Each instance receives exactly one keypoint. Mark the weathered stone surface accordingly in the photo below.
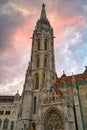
(47, 102)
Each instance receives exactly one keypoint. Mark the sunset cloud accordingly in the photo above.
(18, 20)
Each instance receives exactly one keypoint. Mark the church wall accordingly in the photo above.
(10, 112)
(39, 103)
(83, 98)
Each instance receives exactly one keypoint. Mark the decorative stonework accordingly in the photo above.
(45, 101)
(53, 119)
(50, 96)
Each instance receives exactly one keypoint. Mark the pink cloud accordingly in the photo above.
(18, 28)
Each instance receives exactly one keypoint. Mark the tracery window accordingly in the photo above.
(53, 120)
(12, 125)
(5, 124)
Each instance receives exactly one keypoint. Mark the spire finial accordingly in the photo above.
(43, 12)
(43, 5)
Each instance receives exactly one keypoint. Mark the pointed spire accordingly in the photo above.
(43, 12)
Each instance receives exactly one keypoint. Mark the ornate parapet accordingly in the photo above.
(51, 97)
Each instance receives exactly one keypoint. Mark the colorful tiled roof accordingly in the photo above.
(79, 78)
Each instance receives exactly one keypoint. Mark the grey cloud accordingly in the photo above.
(27, 3)
(3, 2)
(8, 23)
(12, 67)
(83, 2)
(11, 87)
(66, 8)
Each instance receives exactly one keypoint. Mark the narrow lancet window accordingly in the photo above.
(38, 44)
(45, 44)
(35, 99)
(12, 125)
(45, 60)
(5, 124)
(37, 61)
(37, 81)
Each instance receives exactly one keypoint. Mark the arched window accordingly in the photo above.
(38, 44)
(36, 82)
(45, 60)
(0, 123)
(1, 112)
(7, 113)
(12, 125)
(5, 124)
(37, 61)
(35, 100)
(45, 44)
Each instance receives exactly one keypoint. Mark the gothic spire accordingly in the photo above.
(43, 12)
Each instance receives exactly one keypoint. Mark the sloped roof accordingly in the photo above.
(68, 79)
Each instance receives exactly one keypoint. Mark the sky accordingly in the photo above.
(17, 23)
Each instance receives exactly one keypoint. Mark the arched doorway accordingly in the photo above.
(53, 120)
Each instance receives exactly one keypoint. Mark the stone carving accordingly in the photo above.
(53, 120)
(50, 96)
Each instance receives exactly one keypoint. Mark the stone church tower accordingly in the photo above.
(43, 107)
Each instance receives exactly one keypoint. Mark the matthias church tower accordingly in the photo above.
(43, 107)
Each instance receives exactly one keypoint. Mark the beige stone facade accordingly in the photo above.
(47, 102)
(83, 98)
(9, 109)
